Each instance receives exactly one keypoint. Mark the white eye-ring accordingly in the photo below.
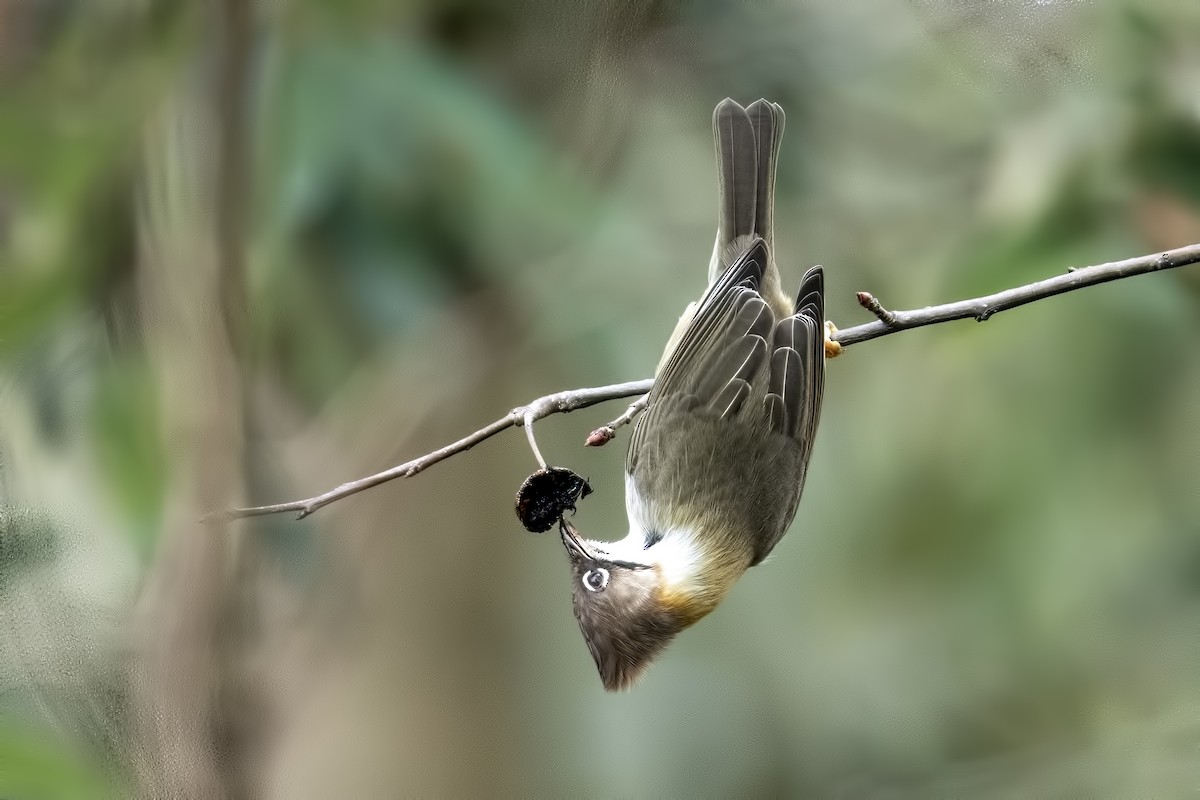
(594, 580)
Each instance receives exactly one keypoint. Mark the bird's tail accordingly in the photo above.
(747, 145)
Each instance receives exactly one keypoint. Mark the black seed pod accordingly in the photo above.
(548, 494)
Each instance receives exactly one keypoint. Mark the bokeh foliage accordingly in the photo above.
(992, 588)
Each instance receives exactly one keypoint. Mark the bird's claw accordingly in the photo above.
(832, 348)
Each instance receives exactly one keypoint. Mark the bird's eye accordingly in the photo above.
(594, 580)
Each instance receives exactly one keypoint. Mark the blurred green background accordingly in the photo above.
(250, 251)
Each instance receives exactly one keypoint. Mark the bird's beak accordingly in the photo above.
(571, 540)
(579, 550)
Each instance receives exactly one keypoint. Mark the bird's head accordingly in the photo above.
(631, 599)
(620, 608)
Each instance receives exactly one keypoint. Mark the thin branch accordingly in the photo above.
(526, 415)
(605, 433)
(982, 308)
(868, 301)
(527, 422)
(889, 322)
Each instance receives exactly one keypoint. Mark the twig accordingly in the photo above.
(982, 308)
(526, 415)
(605, 433)
(527, 422)
(868, 301)
(889, 322)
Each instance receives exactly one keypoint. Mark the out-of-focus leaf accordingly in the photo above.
(403, 185)
(27, 539)
(28, 305)
(35, 767)
(128, 449)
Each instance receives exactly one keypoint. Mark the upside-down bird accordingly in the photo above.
(717, 461)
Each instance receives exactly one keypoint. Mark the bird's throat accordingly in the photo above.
(695, 571)
(693, 577)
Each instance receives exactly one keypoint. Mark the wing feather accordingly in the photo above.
(785, 382)
(729, 402)
(724, 342)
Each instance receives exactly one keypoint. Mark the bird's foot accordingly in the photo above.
(832, 348)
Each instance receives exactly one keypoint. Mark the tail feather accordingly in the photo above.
(768, 120)
(747, 145)
(737, 176)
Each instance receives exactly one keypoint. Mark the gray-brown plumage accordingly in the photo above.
(718, 460)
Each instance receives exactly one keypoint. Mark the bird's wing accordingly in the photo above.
(741, 391)
(722, 353)
(798, 364)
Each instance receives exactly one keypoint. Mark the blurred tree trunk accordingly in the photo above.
(191, 697)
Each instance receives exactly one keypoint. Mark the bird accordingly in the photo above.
(717, 460)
